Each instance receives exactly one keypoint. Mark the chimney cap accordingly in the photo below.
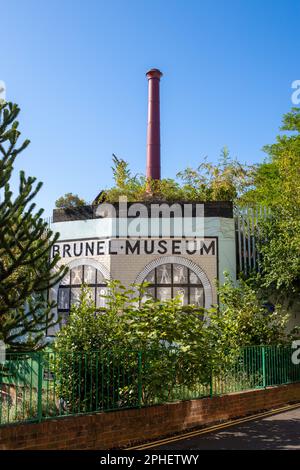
(154, 73)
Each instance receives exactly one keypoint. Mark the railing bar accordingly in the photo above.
(97, 380)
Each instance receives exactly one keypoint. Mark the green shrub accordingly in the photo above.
(135, 351)
(242, 320)
(171, 337)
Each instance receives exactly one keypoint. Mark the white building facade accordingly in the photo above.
(187, 264)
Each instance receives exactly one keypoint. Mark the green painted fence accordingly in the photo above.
(44, 385)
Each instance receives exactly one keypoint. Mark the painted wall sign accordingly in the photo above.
(100, 247)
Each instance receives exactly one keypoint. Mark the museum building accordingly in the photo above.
(179, 249)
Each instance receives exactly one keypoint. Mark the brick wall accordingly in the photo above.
(120, 428)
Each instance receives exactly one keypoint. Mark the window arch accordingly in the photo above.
(172, 275)
(81, 272)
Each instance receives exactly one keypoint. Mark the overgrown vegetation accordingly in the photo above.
(128, 324)
(242, 319)
(134, 321)
(277, 185)
(69, 201)
(224, 181)
(181, 345)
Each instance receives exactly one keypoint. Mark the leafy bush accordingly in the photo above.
(242, 320)
(279, 248)
(276, 186)
(178, 348)
(172, 338)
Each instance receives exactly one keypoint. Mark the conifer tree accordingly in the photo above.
(26, 269)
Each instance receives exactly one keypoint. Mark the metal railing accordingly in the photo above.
(43, 385)
(248, 222)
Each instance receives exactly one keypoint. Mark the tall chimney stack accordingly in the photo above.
(153, 129)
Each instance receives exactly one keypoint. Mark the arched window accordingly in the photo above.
(171, 279)
(70, 286)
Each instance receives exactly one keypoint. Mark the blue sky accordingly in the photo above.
(77, 69)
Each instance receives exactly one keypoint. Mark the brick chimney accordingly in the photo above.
(153, 128)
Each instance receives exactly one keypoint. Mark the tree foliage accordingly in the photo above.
(242, 320)
(223, 181)
(69, 201)
(26, 271)
(277, 186)
(276, 182)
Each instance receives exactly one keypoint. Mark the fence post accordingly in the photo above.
(263, 358)
(40, 388)
(140, 379)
